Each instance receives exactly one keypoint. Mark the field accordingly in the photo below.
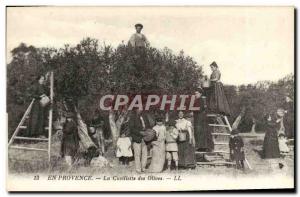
(22, 162)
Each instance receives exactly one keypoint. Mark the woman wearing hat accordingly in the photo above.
(70, 141)
(217, 100)
(270, 145)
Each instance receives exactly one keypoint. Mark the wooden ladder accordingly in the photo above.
(221, 148)
(22, 126)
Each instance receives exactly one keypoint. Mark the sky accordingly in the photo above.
(249, 44)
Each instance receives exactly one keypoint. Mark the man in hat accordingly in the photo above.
(138, 124)
(138, 39)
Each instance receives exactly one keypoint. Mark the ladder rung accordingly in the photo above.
(212, 115)
(215, 115)
(218, 125)
(25, 127)
(226, 134)
(225, 152)
(27, 148)
(31, 138)
(221, 143)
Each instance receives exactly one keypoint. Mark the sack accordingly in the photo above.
(182, 136)
(149, 135)
(84, 137)
(44, 101)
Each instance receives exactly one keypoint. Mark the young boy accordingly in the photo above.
(171, 144)
(236, 146)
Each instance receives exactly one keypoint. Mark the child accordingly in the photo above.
(124, 151)
(282, 140)
(279, 122)
(236, 146)
(171, 144)
(70, 140)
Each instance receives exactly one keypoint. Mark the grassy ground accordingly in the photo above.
(20, 161)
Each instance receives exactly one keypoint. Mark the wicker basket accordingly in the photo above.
(182, 136)
(149, 135)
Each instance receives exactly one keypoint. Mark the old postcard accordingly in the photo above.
(150, 98)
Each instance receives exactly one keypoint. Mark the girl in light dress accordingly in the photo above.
(124, 151)
(283, 147)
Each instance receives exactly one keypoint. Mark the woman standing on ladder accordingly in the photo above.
(217, 100)
(38, 113)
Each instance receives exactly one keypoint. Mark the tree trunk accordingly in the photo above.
(237, 121)
(115, 124)
(253, 128)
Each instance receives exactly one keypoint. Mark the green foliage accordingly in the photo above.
(259, 99)
(88, 70)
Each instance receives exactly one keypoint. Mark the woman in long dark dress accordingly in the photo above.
(203, 136)
(271, 145)
(289, 117)
(217, 100)
(38, 112)
(70, 139)
(186, 148)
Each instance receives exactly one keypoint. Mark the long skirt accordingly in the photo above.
(271, 145)
(217, 100)
(203, 136)
(36, 120)
(186, 153)
(70, 145)
(158, 156)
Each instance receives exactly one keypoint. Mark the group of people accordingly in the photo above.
(166, 141)
(170, 140)
(275, 140)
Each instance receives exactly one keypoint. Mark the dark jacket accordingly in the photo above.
(270, 145)
(136, 126)
(70, 141)
(236, 144)
(37, 118)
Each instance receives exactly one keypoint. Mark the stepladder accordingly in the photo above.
(220, 131)
(26, 143)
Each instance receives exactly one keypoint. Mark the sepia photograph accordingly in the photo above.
(150, 98)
